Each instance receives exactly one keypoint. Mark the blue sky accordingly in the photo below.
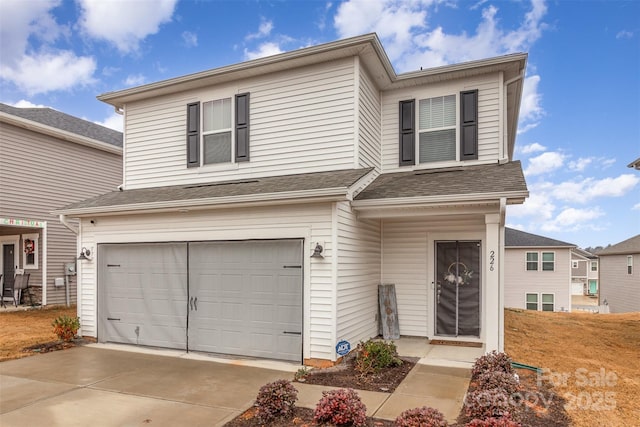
(580, 116)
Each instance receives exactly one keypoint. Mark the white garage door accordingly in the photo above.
(241, 298)
(143, 294)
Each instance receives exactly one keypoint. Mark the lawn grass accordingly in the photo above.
(20, 329)
(592, 359)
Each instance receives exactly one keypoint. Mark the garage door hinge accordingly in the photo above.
(291, 266)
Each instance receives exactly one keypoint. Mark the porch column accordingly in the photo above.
(493, 303)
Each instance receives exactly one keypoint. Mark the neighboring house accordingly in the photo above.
(264, 202)
(49, 159)
(620, 276)
(584, 273)
(537, 272)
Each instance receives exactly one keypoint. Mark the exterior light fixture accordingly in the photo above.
(85, 254)
(317, 251)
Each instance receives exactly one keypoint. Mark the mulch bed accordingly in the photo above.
(302, 417)
(55, 345)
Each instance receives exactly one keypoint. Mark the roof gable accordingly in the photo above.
(517, 238)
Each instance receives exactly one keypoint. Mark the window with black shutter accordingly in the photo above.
(469, 125)
(407, 133)
(242, 127)
(193, 134)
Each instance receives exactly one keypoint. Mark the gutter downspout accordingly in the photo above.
(63, 221)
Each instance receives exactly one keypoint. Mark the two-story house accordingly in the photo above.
(620, 276)
(538, 272)
(48, 159)
(584, 273)
(264, 202)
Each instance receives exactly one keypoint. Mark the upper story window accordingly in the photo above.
(574, 264)
(437, 129)
(441, 134)
(532, 261)
(629, 264)
(548, 261)
(594, 265)
(221, 134)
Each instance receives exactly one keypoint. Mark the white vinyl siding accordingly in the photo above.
(301, 120)
(369, 123)
(518, 281)
(59, 173)
(358, 275)
(311, 222)
(620, 289)
(488, 117)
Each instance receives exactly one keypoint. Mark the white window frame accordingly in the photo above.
(629, 264)
(592, 265)
(526, 301)
(542, 261)
(229, 130)
(35, 237)
(553, 303)
(453, 127)
(527, 262)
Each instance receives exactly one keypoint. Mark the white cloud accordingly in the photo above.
(545, 163)
(23, 103)
(589, 189)
(636, 207)
(27, 31)
(580, 164)
(135, 80)
(532, 148)
(124, 26)
(265, 49)
(538, 205)
(114, 121)
(572, 219)
(46, 72)
(190, 39)
(263, 30)
(531, 110)
(624, 34)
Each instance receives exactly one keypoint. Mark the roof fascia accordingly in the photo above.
(59, 133)
(513, 197)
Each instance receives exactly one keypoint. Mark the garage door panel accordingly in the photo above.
(249, 281)
(143, 294)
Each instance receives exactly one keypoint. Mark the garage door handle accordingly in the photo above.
(195, 303)
(112, 318)
(291, 266)
(292, 333)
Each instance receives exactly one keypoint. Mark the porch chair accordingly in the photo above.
(7, 291)
(22, 285)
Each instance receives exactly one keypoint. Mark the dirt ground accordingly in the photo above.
(592, 360)
(21, 329)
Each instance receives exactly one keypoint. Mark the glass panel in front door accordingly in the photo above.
(457, 290)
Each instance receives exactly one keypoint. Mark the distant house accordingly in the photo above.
(635, 164)
(537, 272)
(620, 276)
(584, 272)
(49, 159)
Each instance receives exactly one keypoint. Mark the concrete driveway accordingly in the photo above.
(87, 386)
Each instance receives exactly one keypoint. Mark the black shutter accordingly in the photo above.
(193, 135)
(407, 132)
(469, 125)
(242, 127)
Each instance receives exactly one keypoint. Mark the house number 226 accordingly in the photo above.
(492, 260)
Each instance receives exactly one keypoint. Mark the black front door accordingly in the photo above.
(8, 269)
(457, 291)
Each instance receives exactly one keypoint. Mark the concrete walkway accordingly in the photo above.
(98, 386)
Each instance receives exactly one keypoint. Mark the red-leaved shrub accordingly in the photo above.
(421, 417)
(492, 362)
(276, 399)
(341, 407)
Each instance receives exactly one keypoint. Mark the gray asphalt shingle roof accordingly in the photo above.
(492, 178)
(62, 121)
(629, 246)
(253, 186)
(519, 238)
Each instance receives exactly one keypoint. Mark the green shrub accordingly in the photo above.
(341, 407)
(66, 327)
(421, 417)
(373, 356)
(492, 362)
(276, 399)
